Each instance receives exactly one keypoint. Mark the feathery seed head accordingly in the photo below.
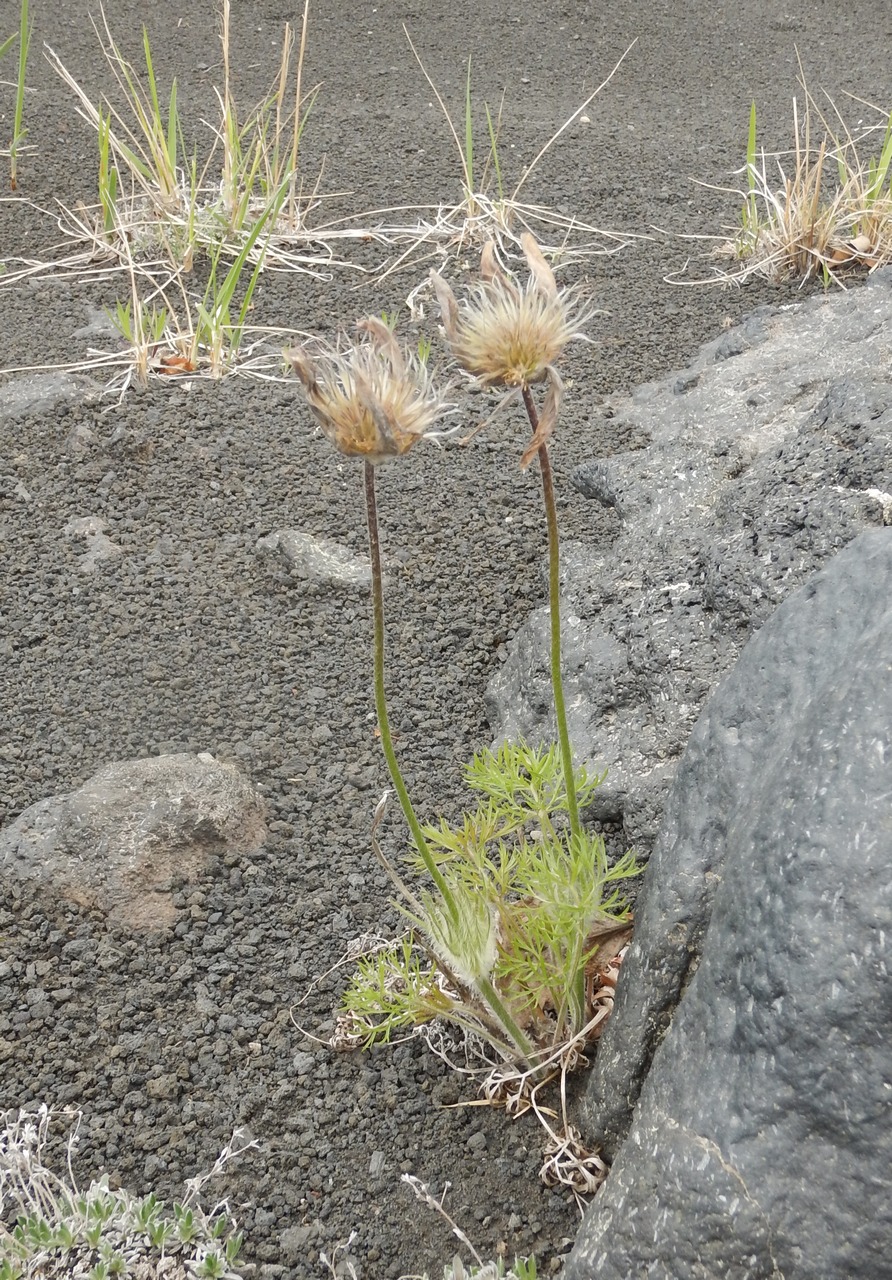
(372, 399)
(505, 333)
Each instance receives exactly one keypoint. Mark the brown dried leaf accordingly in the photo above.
(490, 271)
(302, 366)
(539, 268)
(382, 337)
(448, 306)
(175, 364)
(548, 417)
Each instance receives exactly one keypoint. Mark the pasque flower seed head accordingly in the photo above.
(371, 399)
(504, 333)
(510, 334)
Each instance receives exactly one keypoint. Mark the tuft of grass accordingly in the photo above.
(170, 331)
(262, 155)
(823, 210)
(200, 336)
(489, 209)
(157, 197)
(145, 140)
(160, 212)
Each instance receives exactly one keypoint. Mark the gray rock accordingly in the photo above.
(99, 545)
(769, 454)
(40, 392)
(762, 1140)
(13, 487)
(164, 1086)
(79, 440)
(317, 559)
(130, 831)
(295, 1239)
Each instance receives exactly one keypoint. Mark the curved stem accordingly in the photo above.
(495, 1002)
(381, 697)
(493, 1023)
(554, 608)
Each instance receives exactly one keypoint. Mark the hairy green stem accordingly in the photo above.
(554, 603)
(494, 1023)
(381, 697)
(576, 991)
(495, 1002)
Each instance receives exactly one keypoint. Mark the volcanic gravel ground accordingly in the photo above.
(192, 641)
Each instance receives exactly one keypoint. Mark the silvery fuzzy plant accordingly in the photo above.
(518, 910)
(55, 1228)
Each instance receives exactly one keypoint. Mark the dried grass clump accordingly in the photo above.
(825, 209)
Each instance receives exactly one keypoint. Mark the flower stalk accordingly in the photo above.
(396, 776)
(554, 602)
(511, 335)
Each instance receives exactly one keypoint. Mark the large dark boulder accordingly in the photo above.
(755, 1003)
(761, 461)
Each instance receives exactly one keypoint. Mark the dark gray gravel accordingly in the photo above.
(191, 640)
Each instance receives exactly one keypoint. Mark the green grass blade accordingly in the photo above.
(880, 170)
(245, 182)
(135, 162)
(842, 171)
(172, 129)
(306, 108)
(153, 86)
(7, 44)
(108, 174)
(190, 221)
(215, 311)
(18, 132)
(122, 320)
(752, 213)
(162, 142)
(469, 134)
(208, 308)
(270, 215)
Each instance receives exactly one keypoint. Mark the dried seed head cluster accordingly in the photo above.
(508, 334)
(512, 335)
(372, 400)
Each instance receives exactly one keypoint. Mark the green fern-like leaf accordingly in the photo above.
(391, 990)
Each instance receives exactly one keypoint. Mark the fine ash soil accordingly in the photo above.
(191, 641)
